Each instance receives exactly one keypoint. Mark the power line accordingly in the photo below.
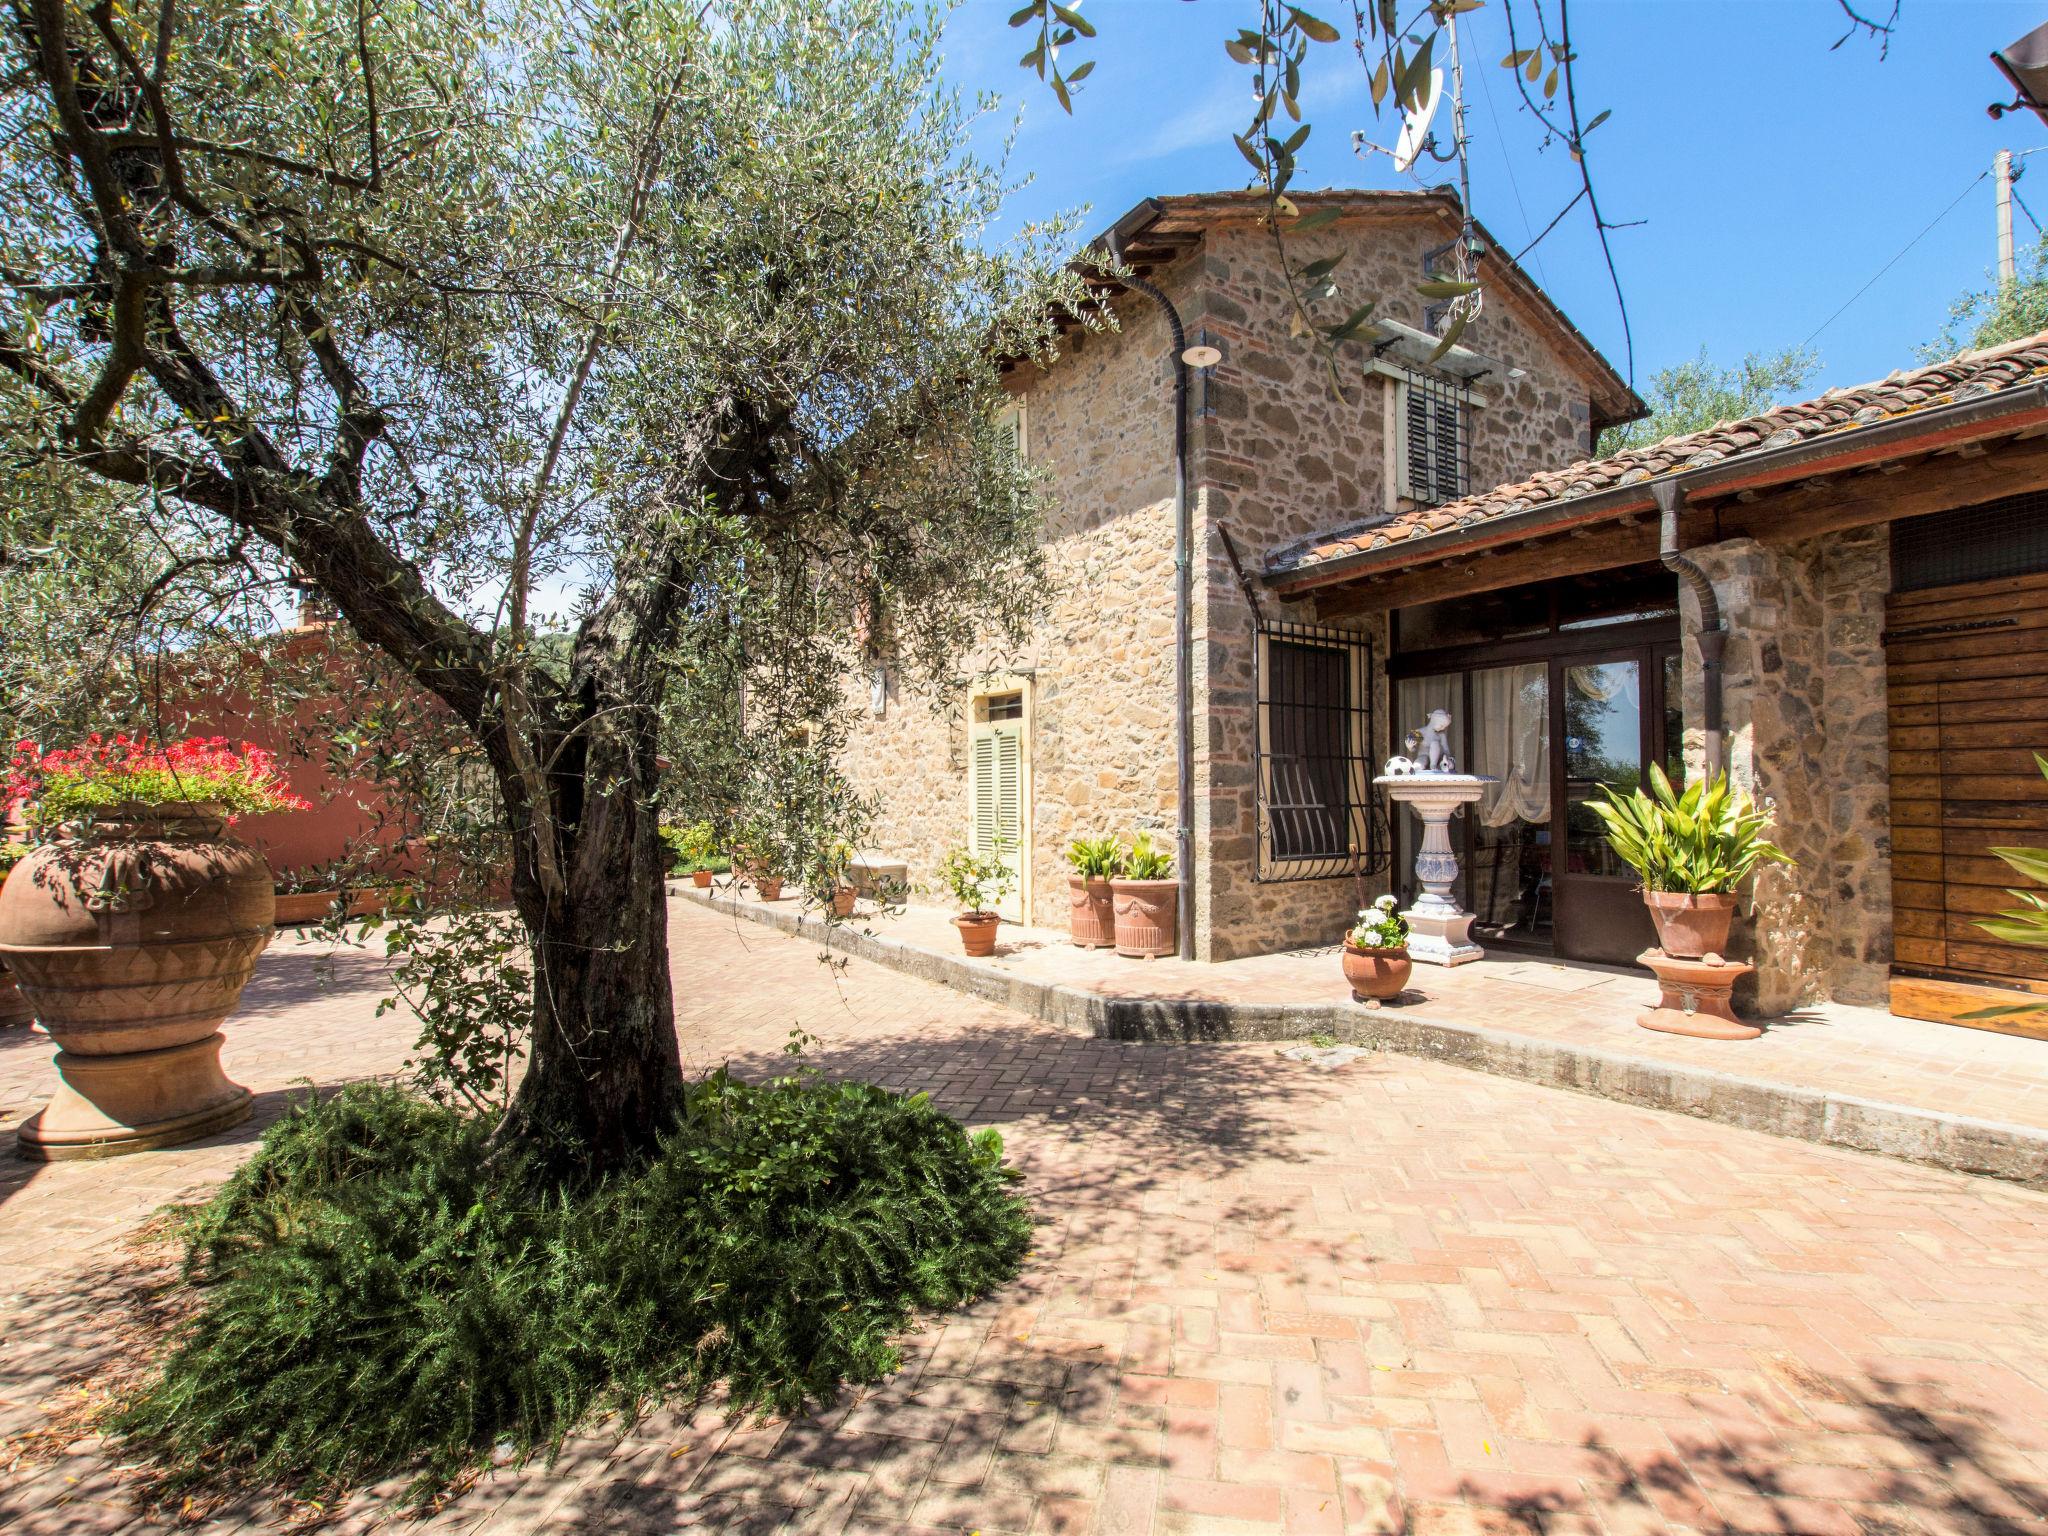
(1508, 160)
(1951, 208)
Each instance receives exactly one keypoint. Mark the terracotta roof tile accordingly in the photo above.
(1963, 377)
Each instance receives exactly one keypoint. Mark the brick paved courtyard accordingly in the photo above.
(1266, 1296)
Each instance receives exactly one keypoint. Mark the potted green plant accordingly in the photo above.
(132, 928)
(1692, 850)
(1376, 959)
(1091, 909)
(691, 850)
(754, 858)
(832, 877)
(1146, 899)
(977, 883)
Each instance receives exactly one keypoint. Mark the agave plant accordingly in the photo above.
(1705, 840)
(2026, 923)
(1096, 858)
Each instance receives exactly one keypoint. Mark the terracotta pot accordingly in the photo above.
(13, 1008)
(701, 878)
(842, 901)
(978, 931)
(1091, 912)
(295, 907)
(1376, 973)
(132, 939)
(1695, 999)
(768, 887)
(1146, 913)
(1689, 925)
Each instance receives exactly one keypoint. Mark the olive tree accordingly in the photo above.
(490, 319)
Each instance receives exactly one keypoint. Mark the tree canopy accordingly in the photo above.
(1698, 394)
(1998, 313)
(644, 322)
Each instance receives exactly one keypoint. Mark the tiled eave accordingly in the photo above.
(1999, 392)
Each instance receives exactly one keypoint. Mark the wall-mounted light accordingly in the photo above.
(1202, 355)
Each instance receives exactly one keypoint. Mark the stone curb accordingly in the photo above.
(1960, 1143)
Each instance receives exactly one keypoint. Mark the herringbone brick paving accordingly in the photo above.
(1265, 1297)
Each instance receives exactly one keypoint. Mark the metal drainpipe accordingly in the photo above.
(1713, 636)
(1183, 743)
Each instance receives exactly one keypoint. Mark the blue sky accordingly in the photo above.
(1775, 176)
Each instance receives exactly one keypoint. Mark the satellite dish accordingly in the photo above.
(1415, 123)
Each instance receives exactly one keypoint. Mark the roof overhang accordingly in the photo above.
(2002, 413)
(1161, 230)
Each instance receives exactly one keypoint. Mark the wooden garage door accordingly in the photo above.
(1968, 674)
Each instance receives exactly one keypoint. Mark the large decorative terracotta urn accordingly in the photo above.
(132, 937)
(1091, 911)
(1146, 920)
(13, 1007)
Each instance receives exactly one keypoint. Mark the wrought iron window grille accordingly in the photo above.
(1319, 814)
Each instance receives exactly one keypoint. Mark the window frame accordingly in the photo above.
(1402, 384)
(1363, 815)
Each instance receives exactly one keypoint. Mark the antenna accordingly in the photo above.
(1415, 123)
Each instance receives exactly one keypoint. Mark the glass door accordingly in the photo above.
(1604, 720)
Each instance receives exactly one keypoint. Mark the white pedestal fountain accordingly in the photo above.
(1439, 931)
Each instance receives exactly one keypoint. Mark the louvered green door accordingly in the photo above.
(997, 800)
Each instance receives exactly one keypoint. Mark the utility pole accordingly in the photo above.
(2001, 170)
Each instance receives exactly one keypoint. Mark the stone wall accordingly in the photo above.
(1285, 455)
(1099, 665)
(1807, 732)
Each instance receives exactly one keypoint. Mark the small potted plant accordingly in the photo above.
(1091, 911)
(132, 927)
(977, 884)
(1692, 850)
(833, 879)
(1147, 901)
(1376, 959)
(753, 857)
(693, 848)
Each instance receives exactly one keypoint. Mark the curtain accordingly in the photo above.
(1511, 743)
(1607, 681)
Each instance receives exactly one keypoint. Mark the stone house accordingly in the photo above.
(1866, 572)
(1076, 733)
(1844, 600)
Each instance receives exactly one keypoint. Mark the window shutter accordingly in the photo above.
(1432, 442)
(1415, 424)
(982, 790)
(996, 790)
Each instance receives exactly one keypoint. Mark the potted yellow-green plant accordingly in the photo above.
(1693, 850)
(1091, 910)
(977, 883)
(1147, 901)
(832, 877)
(693, 848)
